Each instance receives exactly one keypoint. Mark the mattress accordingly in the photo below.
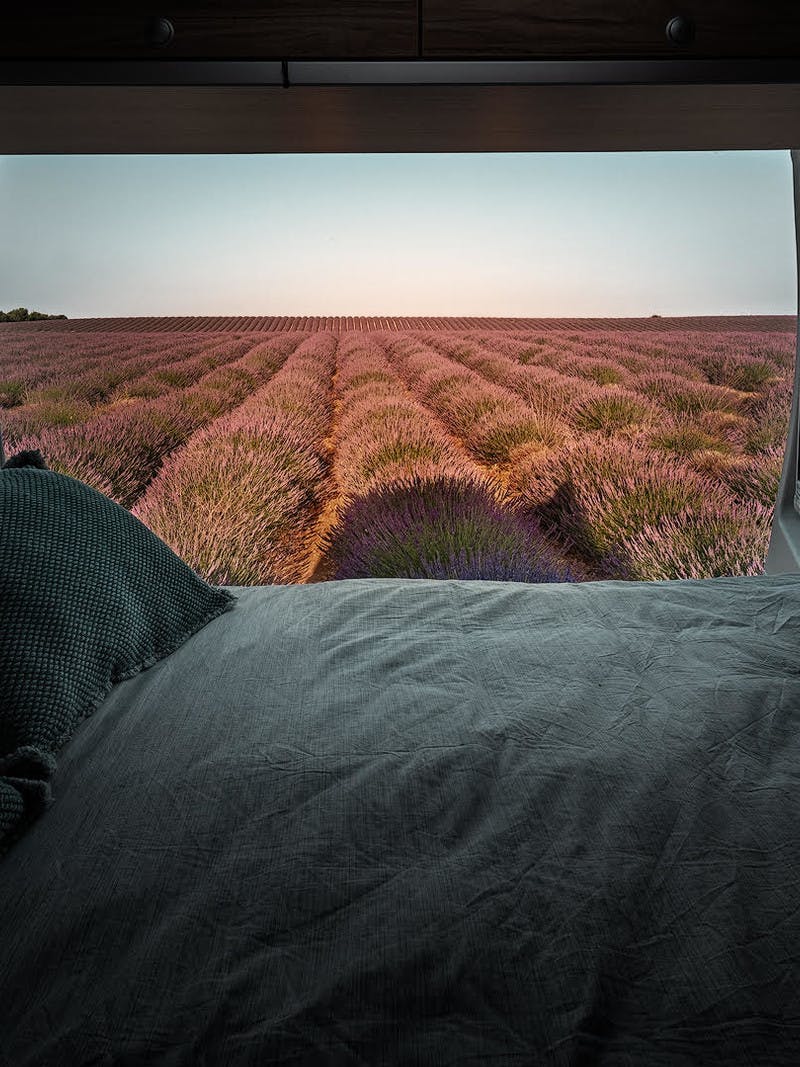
(415, 822)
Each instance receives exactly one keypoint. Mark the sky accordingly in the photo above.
(488, 234)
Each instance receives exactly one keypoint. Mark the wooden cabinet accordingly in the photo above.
(246, 29)
(404, 29)
(596, 29)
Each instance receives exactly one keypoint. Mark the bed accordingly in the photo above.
(427, 822)
(379, 822)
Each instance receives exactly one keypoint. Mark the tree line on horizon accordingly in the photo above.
(23, 315)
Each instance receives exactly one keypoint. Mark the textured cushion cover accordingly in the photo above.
(88, 596)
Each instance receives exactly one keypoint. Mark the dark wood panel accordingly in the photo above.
(260, 29)
(506, 118)
(607, 28)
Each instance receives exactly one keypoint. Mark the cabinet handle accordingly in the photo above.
(161, 32)
(680, 30)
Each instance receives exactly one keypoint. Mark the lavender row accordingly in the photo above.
(120, 451)
(597, 392)
(739, 453)
(737, 360)
(83, 390)
(640, 515)
(240, 501)
(85, 371)
(697, 415)
(491, 421)
(384, 435)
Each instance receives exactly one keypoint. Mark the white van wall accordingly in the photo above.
(783, 556)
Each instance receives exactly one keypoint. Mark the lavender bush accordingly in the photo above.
(595, 497)
(441, 528)
(710, 543)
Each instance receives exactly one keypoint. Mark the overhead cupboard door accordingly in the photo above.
(610, 28)
(246, 29)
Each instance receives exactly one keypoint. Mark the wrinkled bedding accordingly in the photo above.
(413, 822)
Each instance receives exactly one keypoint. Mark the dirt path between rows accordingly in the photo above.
(321, 567)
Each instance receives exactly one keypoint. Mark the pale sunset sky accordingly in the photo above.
(505, 234)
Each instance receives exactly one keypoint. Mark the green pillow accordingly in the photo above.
(88, 596)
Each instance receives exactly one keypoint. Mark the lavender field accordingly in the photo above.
(542, 454)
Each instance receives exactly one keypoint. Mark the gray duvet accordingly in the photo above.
(413, 822)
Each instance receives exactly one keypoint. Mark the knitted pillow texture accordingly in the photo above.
(88, 596)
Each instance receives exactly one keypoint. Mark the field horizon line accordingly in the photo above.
(746, 323)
